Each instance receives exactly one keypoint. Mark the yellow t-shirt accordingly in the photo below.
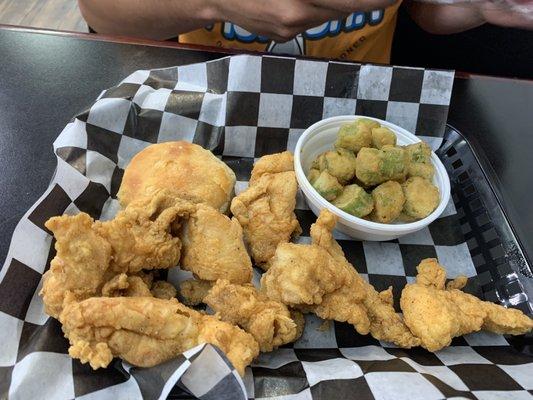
(362, 36)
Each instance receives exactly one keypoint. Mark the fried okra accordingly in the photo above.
(375, 166)
(356, 135)
(419, 152)
(313, 175)
(421, 197)
(383, 136)
(339, 162)
(354, 200)
(419, 158)
(327, 186)
(365, 174)
(404, 218)
(388, 202)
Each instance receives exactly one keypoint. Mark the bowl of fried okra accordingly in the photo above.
(382, 181)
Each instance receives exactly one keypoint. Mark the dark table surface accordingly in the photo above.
(46, 78)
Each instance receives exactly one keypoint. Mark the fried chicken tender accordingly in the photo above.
(80, 263)
(269, 322)
(266, 209)
(385, 324)
(436, 315)
(193, 291)
(317, 278)
(138, 286)
(213, 247)
(141, 235)
(186, 169)
(90, 253)
(124, 285)
(146, 331)
(311, 279)
(457, 283)
(163, 290)
(386, 296)
(272, 164)
(301, 275)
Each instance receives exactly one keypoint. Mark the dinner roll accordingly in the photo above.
(187, 170)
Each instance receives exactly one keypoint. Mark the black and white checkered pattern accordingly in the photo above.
(241, 108)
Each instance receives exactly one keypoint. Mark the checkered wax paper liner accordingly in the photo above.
(241, 108)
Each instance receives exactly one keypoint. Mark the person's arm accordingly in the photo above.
(162, 19)
(446, 19)
(154, 19)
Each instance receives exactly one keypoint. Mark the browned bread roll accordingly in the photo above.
(187, 170)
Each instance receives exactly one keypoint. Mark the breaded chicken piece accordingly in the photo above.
(185, 169)
(317, 278)
(146, 331)
(268, 321)
(193, 291)
(163, 290)
(343, 305)
(138, 286)
(385, 324)
(213, 247)
(128, 286)
(90, 253)
(436, 315)
(142, 235)
(309, 278)
(272, 164)
(457, 283)
(266, 209)
(299, 320)
(300, 275)
(386, 296)
(81, 261)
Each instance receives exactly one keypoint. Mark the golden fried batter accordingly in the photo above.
(309, 278)
(385, 324)
(330, 287)
(146, 331)
(90, 253)
(270, 322)
(80, 263)
(386, 296)
(185, 169)
(193, 291)
(213, 247)
(436, 315)
(141, 235)
(272, 164)
(337, 293)
(266, 209)
(457, 283)
(301, 275)
(163, 290)
(124, 285)
(138, 286)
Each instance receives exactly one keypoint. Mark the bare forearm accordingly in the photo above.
(446, 19)
(154, 19)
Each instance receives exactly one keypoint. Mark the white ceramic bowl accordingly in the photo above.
(320, 137)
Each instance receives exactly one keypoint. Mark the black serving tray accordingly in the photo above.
(504, 274)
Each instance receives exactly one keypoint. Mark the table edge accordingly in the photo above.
(193, 47)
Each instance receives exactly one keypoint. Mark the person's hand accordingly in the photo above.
(281, 20)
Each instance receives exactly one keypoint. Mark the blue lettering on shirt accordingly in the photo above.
(354, 21)
(231, 31)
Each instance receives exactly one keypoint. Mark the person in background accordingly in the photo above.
(359, 30)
